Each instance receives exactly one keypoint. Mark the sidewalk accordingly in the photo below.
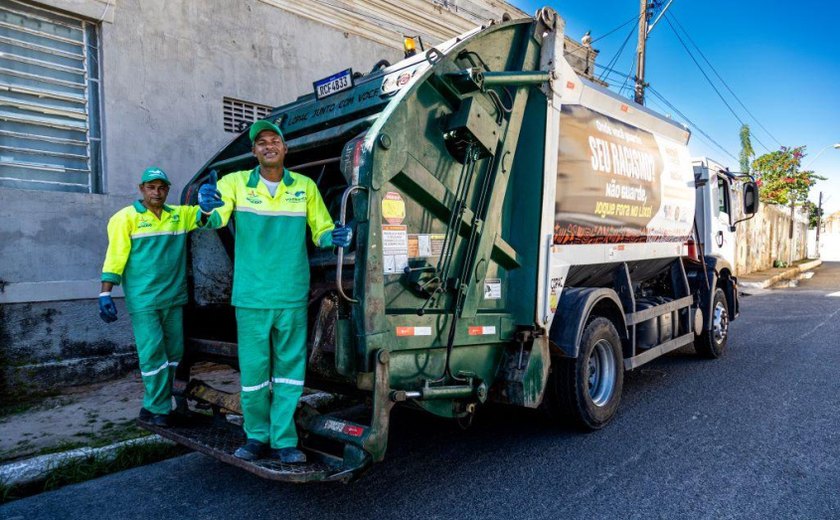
(92, 416)
(770, 277)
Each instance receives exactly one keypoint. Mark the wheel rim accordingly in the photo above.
(601, 373)
(720, 324)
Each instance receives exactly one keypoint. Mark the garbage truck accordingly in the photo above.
(523, 236)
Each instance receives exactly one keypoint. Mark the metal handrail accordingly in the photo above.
(342, 222)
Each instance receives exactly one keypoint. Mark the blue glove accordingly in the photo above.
(342, 235)
(107, 309)
(209, 197)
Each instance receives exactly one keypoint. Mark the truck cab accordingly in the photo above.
(717, 209)
(723, 199)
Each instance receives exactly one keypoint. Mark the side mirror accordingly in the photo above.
(750, 198)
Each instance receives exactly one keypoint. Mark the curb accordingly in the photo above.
(36, 469)
(786, 275)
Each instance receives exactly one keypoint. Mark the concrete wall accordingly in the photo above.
(829, 244)
(763, 240)
(166, 65)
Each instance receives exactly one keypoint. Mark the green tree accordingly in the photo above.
(747, 151)
(780, 180)
(815, 213)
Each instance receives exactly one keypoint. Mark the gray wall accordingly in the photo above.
(166, 65)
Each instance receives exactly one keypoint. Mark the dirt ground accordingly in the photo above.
(92, 415)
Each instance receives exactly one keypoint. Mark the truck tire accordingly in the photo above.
(586, 390)
(711, 344)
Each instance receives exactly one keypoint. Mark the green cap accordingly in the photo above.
(261, 125)
(154, 174)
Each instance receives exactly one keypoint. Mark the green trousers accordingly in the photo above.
(159, 335)
(272, 365)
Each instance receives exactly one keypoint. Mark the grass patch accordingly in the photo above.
(17, 403)
(114, 432)
(15, 408)
(84, 469)
(126, 458)
(7, 493)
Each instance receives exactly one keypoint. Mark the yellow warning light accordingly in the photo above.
(409, 46)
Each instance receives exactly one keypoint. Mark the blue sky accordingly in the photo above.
(781, 59)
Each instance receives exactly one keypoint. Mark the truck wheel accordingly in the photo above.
(712, 343)
(586, 390)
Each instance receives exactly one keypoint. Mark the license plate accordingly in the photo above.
(334, 84)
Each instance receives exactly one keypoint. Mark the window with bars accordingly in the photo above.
(50, 136)
(239, 114)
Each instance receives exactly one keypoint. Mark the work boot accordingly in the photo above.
(160, 420)
(251, 450)
(289, 455)
(145, 416)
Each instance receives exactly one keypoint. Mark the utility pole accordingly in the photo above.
(819, 224)
(792, 223)
(644, 16)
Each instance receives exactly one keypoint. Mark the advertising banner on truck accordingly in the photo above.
(619, 183)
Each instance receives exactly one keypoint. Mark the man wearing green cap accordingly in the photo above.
(272, 207)
(147, 255)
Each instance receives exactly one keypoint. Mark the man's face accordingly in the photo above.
(270, 149)
(154, 193)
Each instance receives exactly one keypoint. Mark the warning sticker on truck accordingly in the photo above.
(393, 208)
(424, 246)
(482, 331)
(394, 249)
(413, 331)
(493, 289)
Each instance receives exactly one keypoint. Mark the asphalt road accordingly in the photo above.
(752, 435)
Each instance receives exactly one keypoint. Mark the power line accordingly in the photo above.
(677, 111)
(711, 83)
(688, 35)
(635, 18)
(617, 56)
(691, 123)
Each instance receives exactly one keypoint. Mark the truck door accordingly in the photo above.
(722, 243)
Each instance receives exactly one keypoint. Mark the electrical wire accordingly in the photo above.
(688, 36)
(708, 79)
(617, 56)
(633, 19)
(691, 123)
(678, 112)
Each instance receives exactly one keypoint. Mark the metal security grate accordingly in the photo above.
(239, 114)
(49, 100)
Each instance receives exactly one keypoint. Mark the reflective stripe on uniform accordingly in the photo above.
(255, 387)
(158, 233)
(155, 371)
(267, 213)
(287, 381)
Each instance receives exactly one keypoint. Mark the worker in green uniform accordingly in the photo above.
(272, 207)
(147, 255)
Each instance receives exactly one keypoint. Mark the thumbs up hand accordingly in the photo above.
(209, 197)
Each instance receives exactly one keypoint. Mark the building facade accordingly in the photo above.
(94, 91)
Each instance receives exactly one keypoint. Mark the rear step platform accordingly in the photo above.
(219, 439)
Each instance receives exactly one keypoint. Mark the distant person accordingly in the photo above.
(147, 255)
(273, 207)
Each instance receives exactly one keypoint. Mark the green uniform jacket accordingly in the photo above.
(149, 256)
(271, 270)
